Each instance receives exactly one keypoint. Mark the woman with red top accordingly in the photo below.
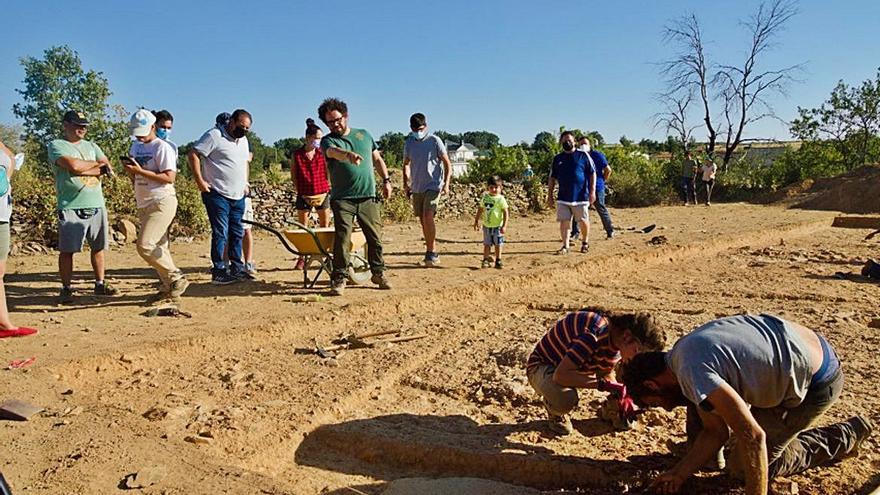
(308, 170)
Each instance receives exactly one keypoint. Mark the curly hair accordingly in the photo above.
(642, 325)
(331, 104)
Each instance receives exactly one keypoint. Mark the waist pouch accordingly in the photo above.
(315, 200)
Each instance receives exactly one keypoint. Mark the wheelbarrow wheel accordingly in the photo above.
(358, 268)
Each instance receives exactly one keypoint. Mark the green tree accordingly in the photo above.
(509, 162)
(391, 146)
(448, 136)
(287, 146)
(57, 83)
(849, 121)
(544, 141)
(483, 140)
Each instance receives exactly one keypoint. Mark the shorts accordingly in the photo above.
(248, 213)
(303, 204)
(425, 201)
(4, 240)
(78, 225)
(578, 213)
(492, 236)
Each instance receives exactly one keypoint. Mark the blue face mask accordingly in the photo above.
(420, 134)
(316, 144)
(163, 133)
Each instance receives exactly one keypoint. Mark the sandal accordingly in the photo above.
(585, 246)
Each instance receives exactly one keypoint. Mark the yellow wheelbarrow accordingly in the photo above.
(316, 248)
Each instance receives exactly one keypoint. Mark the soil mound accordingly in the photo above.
(461, 486)
(853, 192)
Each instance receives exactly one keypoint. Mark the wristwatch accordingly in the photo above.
(386, 180)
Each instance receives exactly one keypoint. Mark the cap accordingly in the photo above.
(75, 117)
(141, 122)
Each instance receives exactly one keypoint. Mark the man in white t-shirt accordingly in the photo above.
(709, 168)
(152, 163)
(223, 184)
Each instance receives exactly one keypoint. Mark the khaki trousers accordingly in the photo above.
(152, 242)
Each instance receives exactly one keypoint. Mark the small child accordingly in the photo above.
(493, 210)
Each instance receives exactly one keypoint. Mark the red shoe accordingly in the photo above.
(16, 332)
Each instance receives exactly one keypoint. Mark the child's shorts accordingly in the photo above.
(492, 236)
(248, 213)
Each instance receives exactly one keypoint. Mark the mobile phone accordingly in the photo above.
(126, 159)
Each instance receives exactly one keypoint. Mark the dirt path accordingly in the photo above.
(123, 392)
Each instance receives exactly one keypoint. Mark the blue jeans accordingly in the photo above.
(602, 210)
(688, 191)
(226, 231)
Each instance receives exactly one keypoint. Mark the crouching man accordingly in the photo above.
(580, 351)
(765, 379)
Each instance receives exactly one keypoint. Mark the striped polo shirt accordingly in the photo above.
(583, 336)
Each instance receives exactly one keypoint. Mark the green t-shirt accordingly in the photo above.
(73, 191)
(347, 180)
(493, 210)
(687, 168)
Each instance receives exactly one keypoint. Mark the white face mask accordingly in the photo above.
(420, 134)
(585, 148)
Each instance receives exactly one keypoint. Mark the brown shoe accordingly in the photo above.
(106, 289)
(380, 280)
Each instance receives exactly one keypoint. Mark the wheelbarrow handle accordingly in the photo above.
(278, 234)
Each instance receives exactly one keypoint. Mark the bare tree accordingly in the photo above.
(688, 72)
(674, 119)
(741, 89)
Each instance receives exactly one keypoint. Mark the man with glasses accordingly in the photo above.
(352, 155)
(424, 178)
(224, 183)
(82, 214)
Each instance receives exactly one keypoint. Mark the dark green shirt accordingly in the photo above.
(347, 180)
(688, 168)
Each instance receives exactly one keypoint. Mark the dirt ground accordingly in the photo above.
(223, 403)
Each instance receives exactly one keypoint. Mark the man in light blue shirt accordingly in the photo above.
(426, 171)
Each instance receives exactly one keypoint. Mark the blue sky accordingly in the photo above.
(511, 67)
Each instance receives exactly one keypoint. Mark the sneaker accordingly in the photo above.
(498, 264)
(66, 295)
(244, 276)
(250, 267)
(380, 280)
(585, 246)
(224, 278)
(431, 259)
(106, 289)
(337, 287)
(562, 251)
(178, 287)
(610, 235)
(575, 233)
(559, 424)
(487, 263)
(863, 428)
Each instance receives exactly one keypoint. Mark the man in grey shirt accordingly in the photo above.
(226, 153)
(765, 379)
(424, 178)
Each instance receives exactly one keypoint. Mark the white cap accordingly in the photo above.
(141, 122)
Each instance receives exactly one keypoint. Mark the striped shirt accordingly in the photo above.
(583, 336)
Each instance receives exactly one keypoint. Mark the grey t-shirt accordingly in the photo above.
(6, 199)
(759, 356)
(425, 165)
(226, 162)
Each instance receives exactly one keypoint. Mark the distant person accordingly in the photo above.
(764, 380)
(308, 171)
(708, 169)
(426, 172)
(352, 155)
(528, 173)
(493, 213)
(164, 124)
(247, 239)
(225, 152)
(153, 166)
(78, 165)
(7, 164)
(603, 172)
(581, 351)
(573, 171)
(688, 175)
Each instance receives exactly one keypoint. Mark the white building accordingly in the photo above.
(460, 155)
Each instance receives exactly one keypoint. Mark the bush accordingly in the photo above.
(191, 219)
(507, 162)
(636, 179)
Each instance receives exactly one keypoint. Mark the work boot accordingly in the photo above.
(66, 295)
(178, 287)
(337, 287)
(105, 289)
(380, 280)
(559, 424)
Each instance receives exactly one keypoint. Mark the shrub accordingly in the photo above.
(637, 180)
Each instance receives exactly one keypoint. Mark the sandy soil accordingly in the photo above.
(124, 392)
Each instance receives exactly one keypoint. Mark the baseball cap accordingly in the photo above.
(75, 117)
(141, 122)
